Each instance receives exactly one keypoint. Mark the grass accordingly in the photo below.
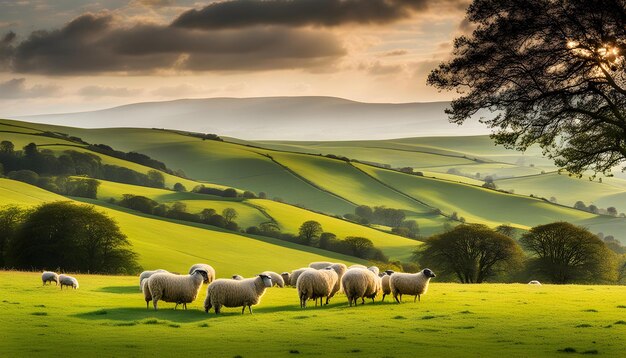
(518, 319)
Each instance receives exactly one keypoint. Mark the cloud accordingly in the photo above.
(182, 90)
(154, 3)
(395, 53)
(97, 43)
(16, 88)
(378, 68)
(242, 13)
(100, 91)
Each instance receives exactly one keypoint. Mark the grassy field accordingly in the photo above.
(107, 316)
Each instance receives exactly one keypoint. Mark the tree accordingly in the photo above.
(26, 176)
(365, 212)
(309, 231)
(229, 215)
(567, 253)
(326, 239)
(83, 187)
(473, 253)
(611, 210)
(248, 195)
(206, 214)
(553, 70)
(506, 230)
(11, 217)
(358, 246)
(156, 179)
(230, 193)
(593, 209)
(7, 147)
(73, 238)
(179, 187)
(580, 205)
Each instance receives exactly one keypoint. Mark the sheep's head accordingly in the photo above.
(267, 280)
(205, 275)
(389, 272)
(428, 273)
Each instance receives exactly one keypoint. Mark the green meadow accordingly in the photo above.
(107, 316)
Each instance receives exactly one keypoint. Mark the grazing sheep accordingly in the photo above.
(320, 265)
(65, 280)
(314, 284)
(233, 293)
(360, 283)
(414, 284)
(210, 271)
(534, 282)
(237, 277)
(144, 275)
(48, 276)
(180, 289)
(374, 269)
(277, 280)
(295, 274)
(286, 278)
(340, 269)
(384, 282)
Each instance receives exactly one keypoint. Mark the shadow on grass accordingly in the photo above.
(120, 289)
(135, 314)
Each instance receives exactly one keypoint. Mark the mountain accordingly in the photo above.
(299, 118)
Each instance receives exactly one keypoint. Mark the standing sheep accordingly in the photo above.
(356, 266)
(374, 269)
(209, 270)
(286, 278)
(295, 274)
(48, 276)
(144, 275)
(360, 283)
(320, 265)
(65, 280)
(314, 284)
(277, 279)
(414, 284)
(534, 282)
(384, 282)
(180, 289)
(237, 277)
(340, 269)
(233, 293)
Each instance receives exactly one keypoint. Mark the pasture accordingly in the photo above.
(107, 316)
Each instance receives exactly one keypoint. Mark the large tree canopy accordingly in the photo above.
(552, 70)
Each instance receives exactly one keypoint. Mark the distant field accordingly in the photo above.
(107, 316)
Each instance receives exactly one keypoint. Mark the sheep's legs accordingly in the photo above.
(250, 309)
(243, 309)
(154, 303)
(147, 304)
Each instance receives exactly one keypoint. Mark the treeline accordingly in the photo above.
(178, 211)
(557, 253)
(312, 234)
(135, 158)
(380, 215)
(65, 237)
(31, 164)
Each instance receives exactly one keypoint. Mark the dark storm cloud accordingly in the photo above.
(242, 13)
(94, 43)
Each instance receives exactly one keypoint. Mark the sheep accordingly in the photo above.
(320, 265)
(356, 266)
(144, 275)
(415, 284)
(208, 268)
(295, 274)
(360, 283)
(48, 276)
(233, 293)
(181, 289)
(374, 269)
(286, 278)
(314, 284)
(237, 277)
(384, 282)
(534, 282)
(65, 280)
(277, 279)
(340, 269)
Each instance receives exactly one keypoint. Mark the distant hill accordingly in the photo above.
(293, 118)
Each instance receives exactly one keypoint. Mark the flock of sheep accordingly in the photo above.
(319, 281)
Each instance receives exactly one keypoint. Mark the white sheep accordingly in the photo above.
(356, 266)
(320, 265)
(340, 269)
(314, 284)
(233, 293)
(384, 282)
(208, 268)
(180, 289)
(295, 274)
(65, 280)
(375, 270)
(360, 283)
(237, 277)
(414, 284)
(48, 276)
(144, 275)
(534, 282)
(286, 278)
(277, 279)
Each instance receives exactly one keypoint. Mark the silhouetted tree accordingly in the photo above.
(358, 246)
(11, 217)
(310, 231)
(229, 215)
(179, 187)
(554, 71)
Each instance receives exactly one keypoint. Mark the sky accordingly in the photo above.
(67, 55)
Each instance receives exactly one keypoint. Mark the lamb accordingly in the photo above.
(65, 280)
(237, 277)
(295, 274)
(360, 283)
(314, 284)
(233, 293)
(144, 275)
(286, 278)
(534, 282)
(48, 276)
(209, 270)
(320, 265)
(415, 284)
(181, 289)
(384, 281)
(277, 279)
